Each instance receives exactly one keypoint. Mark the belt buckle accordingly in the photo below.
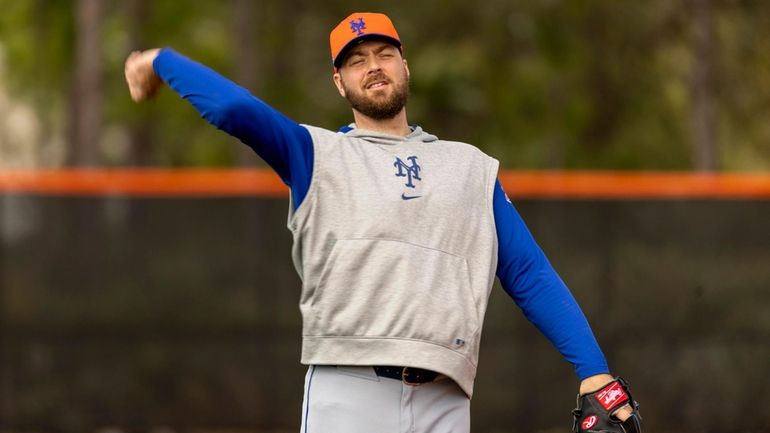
(404, 378)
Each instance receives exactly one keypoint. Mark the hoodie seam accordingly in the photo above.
(310, 196)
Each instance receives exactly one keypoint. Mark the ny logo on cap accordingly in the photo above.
(358, 26)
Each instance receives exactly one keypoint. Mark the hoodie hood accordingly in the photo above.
(417, 134)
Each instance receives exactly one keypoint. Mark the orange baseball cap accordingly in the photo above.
(359, 27)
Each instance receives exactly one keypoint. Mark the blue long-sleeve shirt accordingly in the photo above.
(523, 270)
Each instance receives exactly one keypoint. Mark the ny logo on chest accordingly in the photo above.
(410, 172)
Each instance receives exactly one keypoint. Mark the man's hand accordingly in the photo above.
(597, 382)
(142, 81)
(605, 405)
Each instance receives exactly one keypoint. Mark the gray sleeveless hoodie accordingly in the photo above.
(396, 247)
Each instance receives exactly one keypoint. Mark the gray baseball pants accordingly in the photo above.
(342, 399)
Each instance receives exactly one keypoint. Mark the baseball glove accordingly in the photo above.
(595, 411)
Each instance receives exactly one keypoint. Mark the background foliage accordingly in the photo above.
(537, 84)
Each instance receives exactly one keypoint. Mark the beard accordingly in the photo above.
(380, 109)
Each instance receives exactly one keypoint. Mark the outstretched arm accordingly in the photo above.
(282, 143)
(528, 277)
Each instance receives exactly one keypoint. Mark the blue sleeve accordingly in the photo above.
(528, 277)
(285, 145)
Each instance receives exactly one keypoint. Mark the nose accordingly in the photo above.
(372, 64)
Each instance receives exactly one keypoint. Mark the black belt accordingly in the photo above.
(408, 375)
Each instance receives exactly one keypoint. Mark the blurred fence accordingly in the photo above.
(173, 306)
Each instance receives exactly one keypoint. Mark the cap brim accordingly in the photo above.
(361, 39)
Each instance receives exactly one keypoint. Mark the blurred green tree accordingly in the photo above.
(598, 84)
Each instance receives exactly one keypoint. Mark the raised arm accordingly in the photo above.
(284, 144)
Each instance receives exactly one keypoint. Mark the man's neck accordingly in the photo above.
(395, 126)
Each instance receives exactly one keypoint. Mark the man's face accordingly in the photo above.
(374, 78)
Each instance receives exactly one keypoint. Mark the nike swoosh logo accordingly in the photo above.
(409, 197)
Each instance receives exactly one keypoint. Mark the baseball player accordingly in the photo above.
(398, 236)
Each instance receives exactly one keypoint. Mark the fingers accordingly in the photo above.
(623, 412)
(142, 81)
(133, 77)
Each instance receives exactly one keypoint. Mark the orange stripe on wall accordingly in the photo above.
(634, 185)
(264, 183)
(144, 182)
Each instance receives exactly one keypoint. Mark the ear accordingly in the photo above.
(406, 67)
(337, 78)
